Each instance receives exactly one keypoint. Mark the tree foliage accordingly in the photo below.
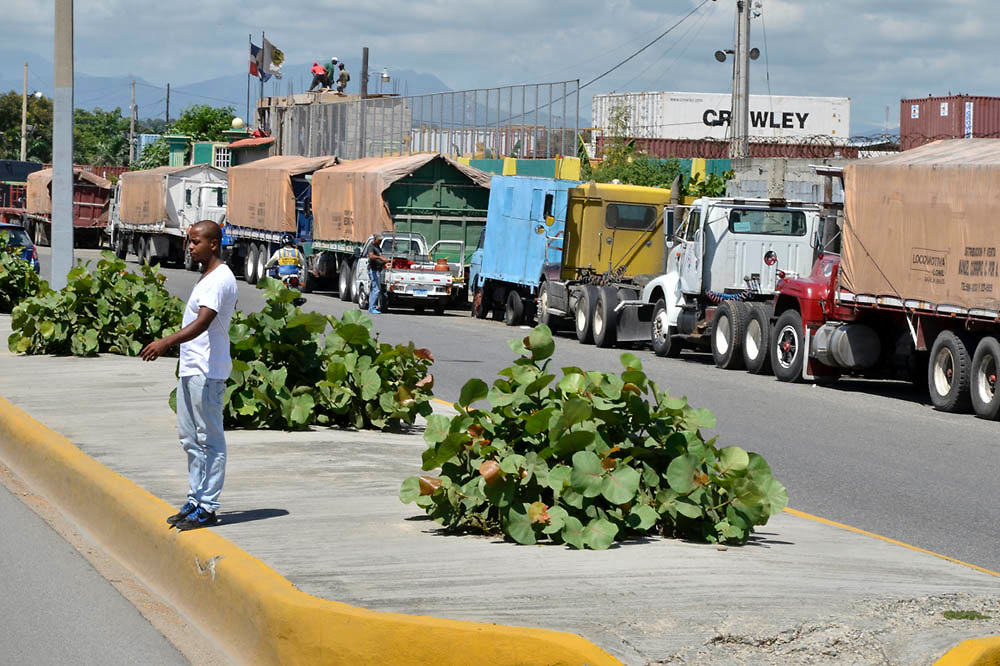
(39, 143)
(202, 122)
(100, 137)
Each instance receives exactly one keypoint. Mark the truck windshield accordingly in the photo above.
(400, 246)
(768, 222)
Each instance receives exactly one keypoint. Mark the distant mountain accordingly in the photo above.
(230, 90)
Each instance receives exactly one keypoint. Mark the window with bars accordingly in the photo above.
(223, 158)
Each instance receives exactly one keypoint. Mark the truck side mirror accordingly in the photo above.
(670, 223)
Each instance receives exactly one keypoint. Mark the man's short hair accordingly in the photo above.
(209, 230)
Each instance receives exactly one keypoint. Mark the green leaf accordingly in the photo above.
(438, 427)
(353, 334)
(557, 520)
(686, 507)
(572, 442)
(409, 491)
(313, 322)
(541, 343)
(700, 418)
(473, 390)
(558, 477)
(732, 459)
(587, 473)
(573, 383)
(680, 473)
(47, 328)
(621, 485)
(642, 517)
(599, 534)
(775, 495)
(442, 453)
(631, 361)
(370, 384)
(574, 411)
(572, 532)
(302, 409)
(517, 524)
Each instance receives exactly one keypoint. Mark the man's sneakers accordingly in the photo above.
(185, 511)
(197, 519)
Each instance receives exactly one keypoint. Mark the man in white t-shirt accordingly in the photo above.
(204, 367)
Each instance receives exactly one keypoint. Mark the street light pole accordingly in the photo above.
(24, 113)
(62, 147)
(739, 142)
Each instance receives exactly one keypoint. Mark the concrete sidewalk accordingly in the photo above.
(321, 509)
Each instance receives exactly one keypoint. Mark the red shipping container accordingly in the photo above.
(926, 119)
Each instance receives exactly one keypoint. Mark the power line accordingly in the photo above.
(661, 36)
(700, 25)
(175, 91)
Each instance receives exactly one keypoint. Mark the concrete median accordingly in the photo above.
(255, 614)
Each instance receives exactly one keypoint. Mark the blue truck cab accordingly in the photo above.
(521, 246)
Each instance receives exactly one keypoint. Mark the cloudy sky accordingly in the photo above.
(873, 51)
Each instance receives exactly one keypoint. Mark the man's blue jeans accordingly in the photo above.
(199, 424)
(375, 280)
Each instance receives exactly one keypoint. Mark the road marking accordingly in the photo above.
(833, 523)
(809, 516)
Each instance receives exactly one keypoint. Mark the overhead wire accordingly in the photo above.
(697, 27)
(767, 66)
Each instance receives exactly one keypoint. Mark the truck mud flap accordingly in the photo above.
(558, 297)
(635, 323)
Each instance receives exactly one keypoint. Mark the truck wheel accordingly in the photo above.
(354, 283)
(250, 265)
(985, 402)
(948, 373)
(515, 308)
(142, 251)
(605, 323)
(662, 334)
(757, 339)
(121, 249)
(262, 256)
(479, 309)
(727, 334)
(344, 281)
(584, 315)
(362, 298)
(544, 316)
(787, 347)
(439, 307)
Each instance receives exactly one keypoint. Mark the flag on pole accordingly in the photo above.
(272, 59)
(256, 63)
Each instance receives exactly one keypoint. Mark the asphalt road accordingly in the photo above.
(57, 609)
(872, 454)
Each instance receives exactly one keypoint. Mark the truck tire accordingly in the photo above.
(948, 373)
(142, 251)
(344, 281)
(544, 316)
(662, 334)
(262, 256)
(479, 308)
(727, 334)
(120, 247)
(757, 339)
(354, 283)
(605, 323)
(584, 315)
(983, 387)
(250, 265)
(362, 298)
(515, 308)
(787, 347)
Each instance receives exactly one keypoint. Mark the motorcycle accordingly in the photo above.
(291, 281)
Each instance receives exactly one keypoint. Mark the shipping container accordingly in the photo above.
(926, 119)
(712, 149)
(91, 196)
(683, 115)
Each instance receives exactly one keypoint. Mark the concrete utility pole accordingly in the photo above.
(24, 114)
(62, 147)
(739, 142)
(131, 127)
(364, 94)
(167, 114)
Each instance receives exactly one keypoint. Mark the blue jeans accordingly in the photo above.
(375, 280)
(199, 424)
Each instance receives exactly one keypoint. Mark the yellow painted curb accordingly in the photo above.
(976, 652)
(248, 608)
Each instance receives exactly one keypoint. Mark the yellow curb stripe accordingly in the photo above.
(809, 516)
(975, 652)
(252, 611)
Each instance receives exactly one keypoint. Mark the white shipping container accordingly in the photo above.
(683, 115)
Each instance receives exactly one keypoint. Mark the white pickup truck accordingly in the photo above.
(412, 277)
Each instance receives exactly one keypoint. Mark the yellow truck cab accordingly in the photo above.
(616, 229)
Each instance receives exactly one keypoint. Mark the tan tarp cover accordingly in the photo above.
(144, 195)
(347, 198)
(260, 192)
(39, 195)
(923, 224)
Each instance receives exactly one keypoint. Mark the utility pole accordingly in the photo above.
(167, 118)
(62, 147)
(24, 113)
(739, 142)
(364, 95)
(131, 127)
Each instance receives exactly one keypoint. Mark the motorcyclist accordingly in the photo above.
(288, 259)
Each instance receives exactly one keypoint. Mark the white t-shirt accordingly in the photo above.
(208, 354)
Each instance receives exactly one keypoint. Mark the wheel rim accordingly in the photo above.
(543, 304)
(788, 346)
(986, 379)
(660, 327)
(248, 265)
(722, 340)
(754, 338)
(944, 371)
(598, 324)
(581, 319)
(261, 260)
